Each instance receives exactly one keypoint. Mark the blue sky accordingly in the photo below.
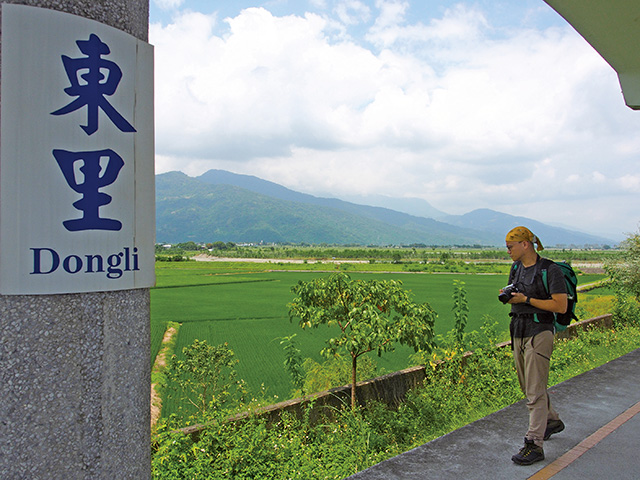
(486, 104)
(503, 14)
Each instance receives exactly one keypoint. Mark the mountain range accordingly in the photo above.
(224, 206)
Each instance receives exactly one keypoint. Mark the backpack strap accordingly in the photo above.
(544, 265)
(514, 267)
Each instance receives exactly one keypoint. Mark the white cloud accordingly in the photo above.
(270, 83)
(442, 111)
(440, 40)
(168, 4)
(319, 4)
(352, 12)
(392, 13)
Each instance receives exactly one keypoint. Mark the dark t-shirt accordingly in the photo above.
(527, 320)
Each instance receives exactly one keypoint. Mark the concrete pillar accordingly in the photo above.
(75, 368)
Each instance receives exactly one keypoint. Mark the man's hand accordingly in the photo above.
(557, 303)
(518, 297)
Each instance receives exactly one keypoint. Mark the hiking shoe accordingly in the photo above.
(553, 426)
(530, 453)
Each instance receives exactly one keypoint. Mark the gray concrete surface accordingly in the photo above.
(75, 386)
(75, 369)
(483, 449)
(615, 457)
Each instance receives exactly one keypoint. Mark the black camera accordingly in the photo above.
(505, 295)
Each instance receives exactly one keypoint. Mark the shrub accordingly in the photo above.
(624, 269)
(205, 378)
(335, 372)
(455, 393)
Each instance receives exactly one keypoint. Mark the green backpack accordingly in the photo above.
(562, 320)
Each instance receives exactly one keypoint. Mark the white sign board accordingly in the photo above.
(76, 155)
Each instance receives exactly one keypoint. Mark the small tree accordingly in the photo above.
(372, 315)
(335, 371)
(460, 312)
(293, 362)
(625, 270)
(450, 347)
(205, 376)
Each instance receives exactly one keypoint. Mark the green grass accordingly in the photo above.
(246, 308)
(354, 440)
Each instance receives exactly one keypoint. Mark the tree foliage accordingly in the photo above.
(624, 271)
(460, 311)
(293, 363)
(371, 315)
(299, 448)
(205, 375)
(336, 372)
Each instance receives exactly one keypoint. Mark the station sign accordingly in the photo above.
(77, 206)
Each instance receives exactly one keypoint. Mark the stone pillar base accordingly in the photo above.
(75, 386)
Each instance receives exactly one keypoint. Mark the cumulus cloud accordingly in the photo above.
(443, 110)
(459, 25)
(269, 84)
(352, 12)
(168, 4)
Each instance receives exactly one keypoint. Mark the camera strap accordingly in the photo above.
(518, 277)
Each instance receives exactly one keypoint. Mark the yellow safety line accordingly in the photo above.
(589, 442)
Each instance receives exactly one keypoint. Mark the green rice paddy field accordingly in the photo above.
(248, 310)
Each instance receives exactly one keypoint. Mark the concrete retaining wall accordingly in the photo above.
(391, 388)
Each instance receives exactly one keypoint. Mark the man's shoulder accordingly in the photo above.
(555, 275)
(549, 264)
(554, 272)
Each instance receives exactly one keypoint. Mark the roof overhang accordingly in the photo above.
(612, 27)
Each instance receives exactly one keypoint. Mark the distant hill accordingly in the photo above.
(437, 233)
(223, 206)
(360, 204)
(190, 209)
(487, 220)
(413, 206)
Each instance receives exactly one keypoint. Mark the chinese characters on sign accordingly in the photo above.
(77, 187)
(92, 199)
(91, 94)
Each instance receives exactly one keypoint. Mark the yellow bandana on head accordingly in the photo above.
(523, 234)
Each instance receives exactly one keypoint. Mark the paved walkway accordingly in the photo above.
(600, 409)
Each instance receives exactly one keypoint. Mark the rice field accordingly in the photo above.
(248, 310)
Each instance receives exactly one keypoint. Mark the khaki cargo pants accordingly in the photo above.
(532, 356)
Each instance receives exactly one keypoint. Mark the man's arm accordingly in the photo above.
(557, 303)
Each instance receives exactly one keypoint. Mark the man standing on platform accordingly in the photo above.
(532, 332)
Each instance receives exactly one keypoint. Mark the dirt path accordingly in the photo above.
(590, 286)
(158, 366)
(211, 258)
